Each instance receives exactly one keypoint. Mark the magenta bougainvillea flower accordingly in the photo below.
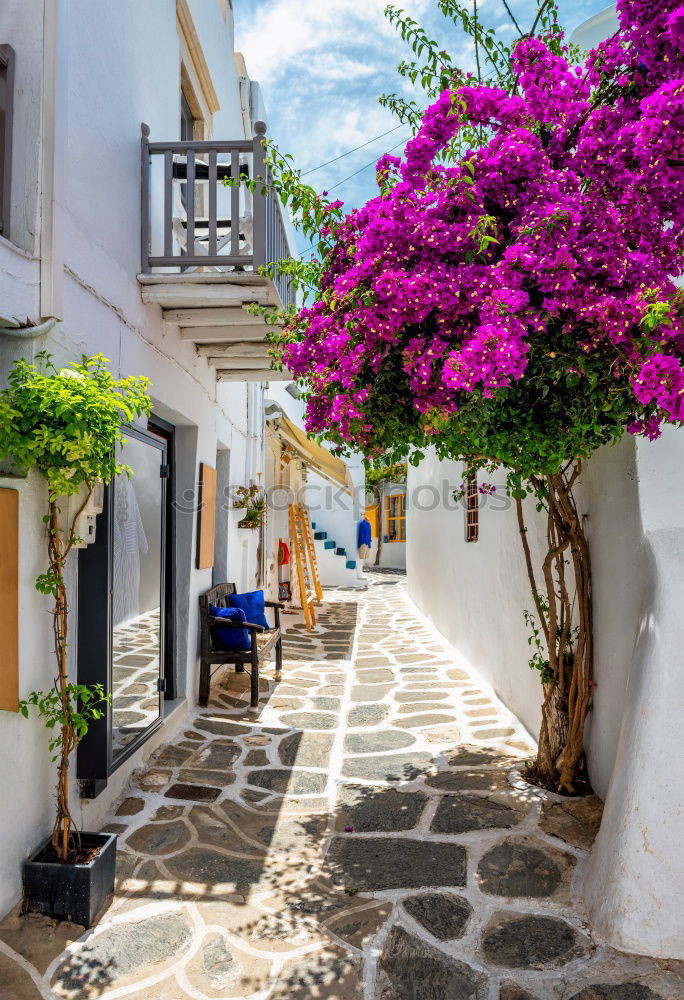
(536, 267)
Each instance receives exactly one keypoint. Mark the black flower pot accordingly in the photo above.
(68, 891)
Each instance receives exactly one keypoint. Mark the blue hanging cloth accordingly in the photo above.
(363, 536)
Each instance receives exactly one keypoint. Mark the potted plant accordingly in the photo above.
(67, 424)
(252, 501)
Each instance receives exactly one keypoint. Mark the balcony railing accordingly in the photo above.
(193, 219)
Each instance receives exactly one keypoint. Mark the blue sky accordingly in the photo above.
(323, 63)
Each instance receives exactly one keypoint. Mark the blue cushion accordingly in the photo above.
(231, 638)
(253, 606)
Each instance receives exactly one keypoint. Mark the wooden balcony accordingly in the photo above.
(204, 240)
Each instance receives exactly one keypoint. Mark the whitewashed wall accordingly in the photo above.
(332, 509)
(634, 884)
(122, 68)
(474, 592)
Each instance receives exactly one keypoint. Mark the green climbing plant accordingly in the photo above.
(66, 424)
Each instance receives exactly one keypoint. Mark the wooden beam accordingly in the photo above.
(231, 315)
(189, 35)
(252, 375)
(206, 529)
(241, 362)
(238, 349)
(224, 334)
(246, 279)
(185, 296)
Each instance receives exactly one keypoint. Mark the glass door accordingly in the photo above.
(138, 591)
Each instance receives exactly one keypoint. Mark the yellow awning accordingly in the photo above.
(313, 455)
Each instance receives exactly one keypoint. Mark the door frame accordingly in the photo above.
(95, 762)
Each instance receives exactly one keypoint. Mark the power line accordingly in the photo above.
(345, 179)
(367, 165)
(349, 151)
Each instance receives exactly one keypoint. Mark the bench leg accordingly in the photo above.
(279, 660)
(255, 679)
(204, 681)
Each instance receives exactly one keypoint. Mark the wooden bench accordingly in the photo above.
(212, 653)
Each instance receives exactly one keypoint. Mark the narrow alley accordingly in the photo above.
(362, 836)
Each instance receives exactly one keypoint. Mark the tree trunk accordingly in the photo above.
(563, 606)
(378, 500)
(61, 833)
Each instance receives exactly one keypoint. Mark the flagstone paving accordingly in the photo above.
(356, 838)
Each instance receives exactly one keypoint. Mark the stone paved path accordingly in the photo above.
(357, 839)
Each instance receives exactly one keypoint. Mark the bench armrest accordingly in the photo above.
(226, 622)
(277, 606)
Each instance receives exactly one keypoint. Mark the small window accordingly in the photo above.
(6, 101)
(472, 510)
(395, 513)
(187, 120)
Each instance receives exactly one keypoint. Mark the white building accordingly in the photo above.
(386, 511)
(84, 184)
(299, 470)
(474, 587)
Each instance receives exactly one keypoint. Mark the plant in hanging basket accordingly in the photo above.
(67, 424)
(253, 502)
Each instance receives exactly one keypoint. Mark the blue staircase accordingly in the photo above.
(331, 545)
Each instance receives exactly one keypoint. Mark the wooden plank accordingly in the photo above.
(234, 206)
(219, 314)
(212, 248)
(9, 605)
(240, 363)
(206, 528)
(255, 375)
(168, 204)
(237, 349)
(189, 209)
(202, 146)
(254, 333)
(199, 259)
(188, 296)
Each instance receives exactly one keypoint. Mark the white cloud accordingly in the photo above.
(323, 63)
(275, 33)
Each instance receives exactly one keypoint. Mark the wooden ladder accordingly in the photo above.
(307, 531)
(307, 595)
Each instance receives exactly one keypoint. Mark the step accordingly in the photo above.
(320, 535)
(313, 525)
(340, 552)
(351, 563)
(329, 544)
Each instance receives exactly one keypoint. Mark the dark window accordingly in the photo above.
(187, 128)
(6, 100)
(126, 606)
(187, 120)
(472, 509)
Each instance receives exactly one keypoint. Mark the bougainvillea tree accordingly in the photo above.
(513, 302)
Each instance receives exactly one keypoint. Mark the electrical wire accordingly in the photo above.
(349, 151)
(367, 165)
(345, 179)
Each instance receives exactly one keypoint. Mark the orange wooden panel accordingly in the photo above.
(373, 516)
(207, 516)
(9, 600)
